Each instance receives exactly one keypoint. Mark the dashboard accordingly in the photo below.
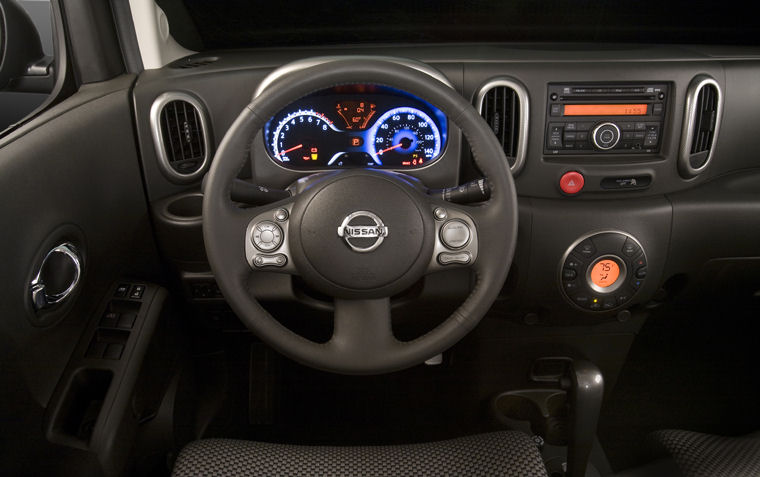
(356, 126)
(608, 148)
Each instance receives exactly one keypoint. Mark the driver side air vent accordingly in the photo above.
(704, 104)
(180, 135)
(503, 103)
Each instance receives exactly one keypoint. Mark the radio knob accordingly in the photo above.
(606, 136)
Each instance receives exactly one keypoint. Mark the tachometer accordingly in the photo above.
(404, 137)
(300, 137)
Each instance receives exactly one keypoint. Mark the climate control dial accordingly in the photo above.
(603, 271)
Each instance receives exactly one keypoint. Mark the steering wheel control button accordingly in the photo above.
(266, 236)
(440, 213)
(281, 215)
(455, 234)
(606, 136)
(278, 260)
(571, 183)
(460, 258)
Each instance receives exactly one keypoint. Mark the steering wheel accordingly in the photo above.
(359, 235)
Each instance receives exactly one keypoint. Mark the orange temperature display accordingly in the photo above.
(605, 273)
(605, 109)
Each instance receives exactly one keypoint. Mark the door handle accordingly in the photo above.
(58, 276)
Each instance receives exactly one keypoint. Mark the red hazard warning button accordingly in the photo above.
(571, 182)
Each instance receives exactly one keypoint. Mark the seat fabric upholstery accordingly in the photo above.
(507, 453)
(699, 454)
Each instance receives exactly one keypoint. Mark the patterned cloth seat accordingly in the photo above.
(506, 453)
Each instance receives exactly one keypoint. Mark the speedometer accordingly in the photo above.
(404, 137)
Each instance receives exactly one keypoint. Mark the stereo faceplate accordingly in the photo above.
(605, 118)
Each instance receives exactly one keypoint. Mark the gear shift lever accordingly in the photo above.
(585, 388)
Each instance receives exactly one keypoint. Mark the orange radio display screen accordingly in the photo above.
(605, 273)
(606, 109)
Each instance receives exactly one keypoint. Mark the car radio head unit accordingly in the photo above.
(605, 118)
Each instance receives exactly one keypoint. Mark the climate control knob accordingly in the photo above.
(606, 136)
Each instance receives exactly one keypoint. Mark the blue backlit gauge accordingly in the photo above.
(303, 137)
(404, 137)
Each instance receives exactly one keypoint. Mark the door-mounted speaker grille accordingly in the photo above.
(180, 135)
(503, 103)
(704, 104)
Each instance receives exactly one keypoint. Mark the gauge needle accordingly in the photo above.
(291, 149)
(392, 147)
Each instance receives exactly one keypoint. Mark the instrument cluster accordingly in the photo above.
(356, 126)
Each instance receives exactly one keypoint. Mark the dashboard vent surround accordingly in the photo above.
(180, 135)
(503, 103)
(704, 105)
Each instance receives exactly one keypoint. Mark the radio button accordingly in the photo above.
(606, 136)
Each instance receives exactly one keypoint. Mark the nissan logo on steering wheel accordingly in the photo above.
(363, 231)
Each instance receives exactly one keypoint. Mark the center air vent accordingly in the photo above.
(704, 104)
(503, 103)
(180, 135)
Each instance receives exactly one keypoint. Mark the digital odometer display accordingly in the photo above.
(356, 126)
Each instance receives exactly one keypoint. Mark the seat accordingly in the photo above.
(504, 453)
(698, 454)
(693, 454)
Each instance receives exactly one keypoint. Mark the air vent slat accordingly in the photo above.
(515, 108)
(704, 119)
(182, 139)
(500, 107)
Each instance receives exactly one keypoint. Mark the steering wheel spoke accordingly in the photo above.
(362, 329)
(456, 236)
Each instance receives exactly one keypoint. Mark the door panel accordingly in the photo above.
(71, 174)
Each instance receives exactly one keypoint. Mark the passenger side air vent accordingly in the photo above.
(180, 135)
(704, 104)
(503, 103)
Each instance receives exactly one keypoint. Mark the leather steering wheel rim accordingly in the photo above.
(496, 222)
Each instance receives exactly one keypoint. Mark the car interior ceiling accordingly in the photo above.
(402, 238)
